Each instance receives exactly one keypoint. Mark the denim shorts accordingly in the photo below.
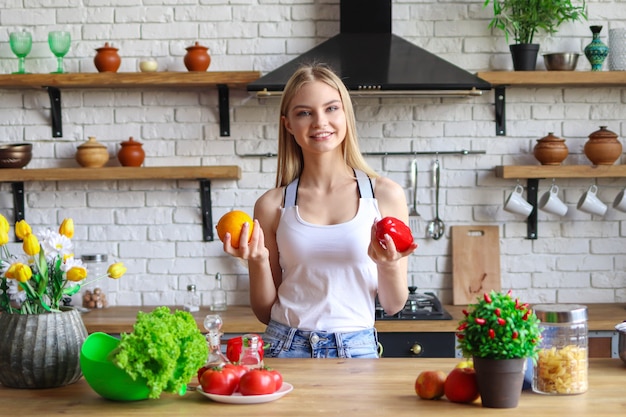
(287, 342)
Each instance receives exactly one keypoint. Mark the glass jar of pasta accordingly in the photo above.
(561, 366)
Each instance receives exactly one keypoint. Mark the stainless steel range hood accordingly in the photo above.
(373, 61)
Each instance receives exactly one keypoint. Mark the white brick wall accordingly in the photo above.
(155, 226)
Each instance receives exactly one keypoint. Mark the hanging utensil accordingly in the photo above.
(436, 226)
(414, 216)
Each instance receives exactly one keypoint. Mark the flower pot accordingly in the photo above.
(603, 148)
(131, 153)
(550, 150)
(524, 56)
(197, 58)
(107, 59)
(41, 350)
(500, 381)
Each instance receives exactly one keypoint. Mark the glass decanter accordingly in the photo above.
(213, 325)
(250, 357)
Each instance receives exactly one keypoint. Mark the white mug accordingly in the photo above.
(620, 201)
(590, 203)
(517, 204)
(551, 203)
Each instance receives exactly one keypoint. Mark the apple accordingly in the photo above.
(461, 385)
(468, 363)
(429, 384)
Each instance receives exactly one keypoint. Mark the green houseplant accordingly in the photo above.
(499, 333)
(523, 19)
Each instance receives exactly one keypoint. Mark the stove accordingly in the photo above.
(419, 306)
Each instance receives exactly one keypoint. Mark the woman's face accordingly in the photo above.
(316, 119)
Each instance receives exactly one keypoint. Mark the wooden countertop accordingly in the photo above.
(240, 319)
(353, 387)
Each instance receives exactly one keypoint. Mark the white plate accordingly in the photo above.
(237, 398)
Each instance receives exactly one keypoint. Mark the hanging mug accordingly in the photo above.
(517, 204)
(551, 203)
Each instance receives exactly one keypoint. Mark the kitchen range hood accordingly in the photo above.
(372, 61)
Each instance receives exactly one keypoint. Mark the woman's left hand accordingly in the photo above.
(386, 252)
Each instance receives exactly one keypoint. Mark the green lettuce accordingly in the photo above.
(166, 349)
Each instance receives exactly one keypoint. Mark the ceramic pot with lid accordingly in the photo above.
(197, 58)
(550, 150)
(131, 153)
(107, 59)
(92, 154)
(603, 148)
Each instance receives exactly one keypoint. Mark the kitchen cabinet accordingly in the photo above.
(53, 83)
(533, 173)
(418, 344)
(204, 174)
(501, 80)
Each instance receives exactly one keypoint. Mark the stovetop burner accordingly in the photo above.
(419, 306)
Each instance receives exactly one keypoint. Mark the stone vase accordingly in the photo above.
(41, 350)
(500, 381)
(597, 51)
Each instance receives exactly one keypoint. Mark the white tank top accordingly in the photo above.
(329, 281)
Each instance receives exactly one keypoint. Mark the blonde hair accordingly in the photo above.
(290, 160)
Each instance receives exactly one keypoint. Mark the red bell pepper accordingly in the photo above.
(399, 232)
(234, 347)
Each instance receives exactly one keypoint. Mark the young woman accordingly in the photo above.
(315, 264)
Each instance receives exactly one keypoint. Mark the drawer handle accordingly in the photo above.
(416, 349)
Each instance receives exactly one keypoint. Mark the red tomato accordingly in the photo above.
(201, 371)
(399, 232)
(234, 347)
(238, 369)
(218, 381)
(278, 378)
(257, 382)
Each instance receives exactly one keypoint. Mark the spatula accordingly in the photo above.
(414, 216)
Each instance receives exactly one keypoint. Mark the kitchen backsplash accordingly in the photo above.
(155, 226)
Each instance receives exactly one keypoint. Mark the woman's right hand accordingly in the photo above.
(254, 250)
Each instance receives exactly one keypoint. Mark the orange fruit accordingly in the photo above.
(232, 222)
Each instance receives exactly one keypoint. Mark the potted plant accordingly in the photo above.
(522, 19)
(499, 333)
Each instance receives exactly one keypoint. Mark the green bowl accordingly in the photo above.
(103, 376)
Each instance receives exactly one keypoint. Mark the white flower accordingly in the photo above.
(55, 244)
(14, 292)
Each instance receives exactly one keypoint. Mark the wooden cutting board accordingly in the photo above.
(475, 262)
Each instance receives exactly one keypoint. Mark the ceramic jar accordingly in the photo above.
(597, 51)
(131, 153)
(197, 58)
(107, 59)
(550, 150)
(603, 148)
(92, 154)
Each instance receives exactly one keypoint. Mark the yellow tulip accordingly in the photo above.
(4, 237)
(116, 270)
(76, 274)
(4, 224)
(67, 228)
(31, 244)
(10, 273)
(22, 272)
(22, 229)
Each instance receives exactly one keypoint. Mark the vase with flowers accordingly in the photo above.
(500, 333)
(40, 346)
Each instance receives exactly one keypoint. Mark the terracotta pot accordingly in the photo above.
(107, 59)
(92, 154)
(603, 148)
(41, 350)
(550, 150)
(197, 58)
(131, 153)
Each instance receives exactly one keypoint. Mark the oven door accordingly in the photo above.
(417, 344)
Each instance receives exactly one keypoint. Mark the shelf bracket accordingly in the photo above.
(206, 206)
(500, 97)
(18, 202)
(55, 111)
(222, 91)
(531, 197)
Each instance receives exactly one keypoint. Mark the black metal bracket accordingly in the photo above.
(18, 202)
(207, 216)
(500, 98)
(55, 111)
(531, 196)
(222, 91)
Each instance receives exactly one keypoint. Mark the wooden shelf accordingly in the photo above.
(560, 171)
(204, 175)
(54, 82)
(500, 80)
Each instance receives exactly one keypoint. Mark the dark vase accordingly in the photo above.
(524, 56)
(597, 51)
(500, 381)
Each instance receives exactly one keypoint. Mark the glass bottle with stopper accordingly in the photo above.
(213, 325)
(218, 295)
(250, 357)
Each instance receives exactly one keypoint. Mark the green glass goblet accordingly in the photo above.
(59, 42)
(21, 44)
